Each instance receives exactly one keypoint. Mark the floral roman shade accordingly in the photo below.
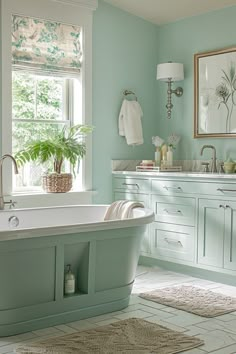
(46, 46)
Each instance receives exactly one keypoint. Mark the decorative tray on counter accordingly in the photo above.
(158, 168)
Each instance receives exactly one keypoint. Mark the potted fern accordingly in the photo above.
(58, 146)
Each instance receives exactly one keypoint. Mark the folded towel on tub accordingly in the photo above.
(121, 209)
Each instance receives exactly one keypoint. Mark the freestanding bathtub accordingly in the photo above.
(37, 244)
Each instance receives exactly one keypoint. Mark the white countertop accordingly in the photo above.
(184, 174)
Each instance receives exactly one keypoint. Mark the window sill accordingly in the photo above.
(43, 199)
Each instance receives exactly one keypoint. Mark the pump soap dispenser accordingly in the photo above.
(69, 281)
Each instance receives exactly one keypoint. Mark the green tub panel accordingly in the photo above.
(32, 277)
(22, 277)
(121, 257)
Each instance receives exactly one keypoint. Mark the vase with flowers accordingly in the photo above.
(158, 142)
(172, 142)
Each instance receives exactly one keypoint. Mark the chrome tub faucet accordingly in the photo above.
(2, 202)
(213, 166)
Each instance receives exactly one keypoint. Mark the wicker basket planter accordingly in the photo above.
(57, 183)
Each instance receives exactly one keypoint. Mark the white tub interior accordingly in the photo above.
(37, 218)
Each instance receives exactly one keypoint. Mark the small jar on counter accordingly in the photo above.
(169, 156)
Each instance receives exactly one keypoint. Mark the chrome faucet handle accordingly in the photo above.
(206, 166)
(222, 167)
(213, 165)
(11, 203)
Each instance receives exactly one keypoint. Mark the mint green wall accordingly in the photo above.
(124, 57)
(179, 42)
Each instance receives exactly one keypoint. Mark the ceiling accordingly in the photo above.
(166, 11)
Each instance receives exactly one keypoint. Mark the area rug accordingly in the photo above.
(192, 299)
(134, 335)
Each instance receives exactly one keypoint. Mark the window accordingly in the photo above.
(45, 55)
(40, 104)
(74, 13)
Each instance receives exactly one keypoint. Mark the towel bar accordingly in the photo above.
(128, 92)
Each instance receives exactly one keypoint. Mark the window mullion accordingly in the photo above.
(70, 110)
(35, 99)
(70, 101)
(46, 121)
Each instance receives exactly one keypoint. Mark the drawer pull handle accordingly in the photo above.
(225, 206)
(225, 190)
(131, 184)
(172, 188)
(169, 240)
(172, 211)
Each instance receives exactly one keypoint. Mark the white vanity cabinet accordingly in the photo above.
(195, 217)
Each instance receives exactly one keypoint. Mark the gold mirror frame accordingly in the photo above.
(215, 94)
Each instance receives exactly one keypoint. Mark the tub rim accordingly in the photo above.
(13, 234)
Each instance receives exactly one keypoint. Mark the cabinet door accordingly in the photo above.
(143, 198)
(230, 236)
(211, 232)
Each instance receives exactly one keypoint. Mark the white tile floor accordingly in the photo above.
(218, 333)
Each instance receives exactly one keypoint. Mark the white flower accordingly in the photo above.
(157, 141)
(173, 140)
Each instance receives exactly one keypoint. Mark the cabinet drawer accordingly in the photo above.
(175, 210)
(140, 197)
(178, 187)
(132, 184)
(173, 241)
(219, 189)
(184, 187)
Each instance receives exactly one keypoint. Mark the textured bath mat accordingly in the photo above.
(192, 299)
(134, 335)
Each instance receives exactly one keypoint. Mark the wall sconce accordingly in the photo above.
(170, 72)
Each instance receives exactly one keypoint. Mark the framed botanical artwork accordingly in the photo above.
(215, 93)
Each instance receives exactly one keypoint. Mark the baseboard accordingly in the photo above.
(188, 270)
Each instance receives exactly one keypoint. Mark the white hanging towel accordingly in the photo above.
(130, 124)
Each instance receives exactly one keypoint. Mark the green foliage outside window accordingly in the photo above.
(35, 100)
(39, 100)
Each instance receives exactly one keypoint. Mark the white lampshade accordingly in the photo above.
(174, 71)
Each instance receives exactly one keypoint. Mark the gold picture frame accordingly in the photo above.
(215, 93)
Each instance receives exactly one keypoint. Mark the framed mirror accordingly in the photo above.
(215, 93)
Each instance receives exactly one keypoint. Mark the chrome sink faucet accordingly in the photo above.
(2, 202)
(213, 166)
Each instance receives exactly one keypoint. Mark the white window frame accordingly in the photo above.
(70, 119)
(77, 12)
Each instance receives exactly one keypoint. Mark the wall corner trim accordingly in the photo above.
(89, 4)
